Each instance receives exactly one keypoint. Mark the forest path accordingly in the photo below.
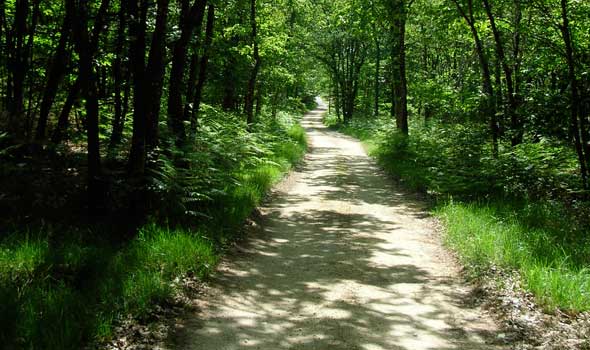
(344, 260)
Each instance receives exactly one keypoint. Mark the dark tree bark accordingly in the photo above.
(250, 90)
(377, 76)
(3, 49)
(63, 121)
(398, 59)
(515, 122)
(155, 76)
(578, 124)
(137, 30)
(203, 66)
(20, 44)
(191, 20)
(488, 89)
(56, 73)
(74, 92)
(118, 120)
(89, 90)
(191, 86)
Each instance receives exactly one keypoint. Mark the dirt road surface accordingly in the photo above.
(345, 260)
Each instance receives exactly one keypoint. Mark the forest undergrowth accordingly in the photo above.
(522, 211)
(63, 284)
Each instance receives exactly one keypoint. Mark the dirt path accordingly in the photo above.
(345, 261)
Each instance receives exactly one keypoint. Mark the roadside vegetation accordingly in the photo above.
(520, 211)
(136, 137)
(62, 286)
(135, 140)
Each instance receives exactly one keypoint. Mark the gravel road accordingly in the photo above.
(344, 260)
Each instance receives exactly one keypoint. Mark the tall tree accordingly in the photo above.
(87, 76)
(191, 19)
(198, 92)
(467, 12)
(137, 29)
(398, 15)
(250, 91)
(511, 96)
(57, 70)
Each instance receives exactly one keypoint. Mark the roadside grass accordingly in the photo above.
(509, 212)
(62, 293)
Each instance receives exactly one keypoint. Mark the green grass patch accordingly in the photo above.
(553, 262)
(63, 293)
(513, 212)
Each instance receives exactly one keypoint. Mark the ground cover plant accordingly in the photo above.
(64, 289)
(135, 137)
(520, 211)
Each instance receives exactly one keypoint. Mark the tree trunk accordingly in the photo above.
(56, 73)
(203, 65)
(20, 59)
(88, 87)
(515, 123)
(377, 75)
(400, 85)
(488, 89)
(137, 31)
(191, 20)
(117, 127)
(154, 76)
(577, 123)
(63, 121)
(249, 100)
(74, 92)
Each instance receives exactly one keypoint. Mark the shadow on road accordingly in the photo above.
(341, 263)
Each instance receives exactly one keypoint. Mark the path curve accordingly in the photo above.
(345, 260)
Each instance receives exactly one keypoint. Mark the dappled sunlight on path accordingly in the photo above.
(344, 260)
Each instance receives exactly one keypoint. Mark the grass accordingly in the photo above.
(553, 267)
(62, 293)
(494, 210)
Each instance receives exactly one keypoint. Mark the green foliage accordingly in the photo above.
(227, 169)
(552, 258)
(61, 295)
(519, 211)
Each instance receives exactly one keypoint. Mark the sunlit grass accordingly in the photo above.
(59, 295)
(539, 239)
(554, 269)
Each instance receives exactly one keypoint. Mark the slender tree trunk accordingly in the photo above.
(577, 123)
(377, 75)
(154, 76)
(117, 127)
(3, 50)
(56, 73)
(137, 30)
(489, 104)
(515, 123)
(249, 100)
(192, 18)
(74, 92)
(63, 121)
(191, 86)
(204, 64)
(20, 58)
(88, 78)
(400, 89)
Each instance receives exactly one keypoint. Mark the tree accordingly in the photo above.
(191, 19)
(249, 99)
(467, 13)
(397, 16)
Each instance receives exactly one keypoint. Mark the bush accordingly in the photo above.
(518, 211)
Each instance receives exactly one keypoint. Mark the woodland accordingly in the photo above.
(136, 137)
